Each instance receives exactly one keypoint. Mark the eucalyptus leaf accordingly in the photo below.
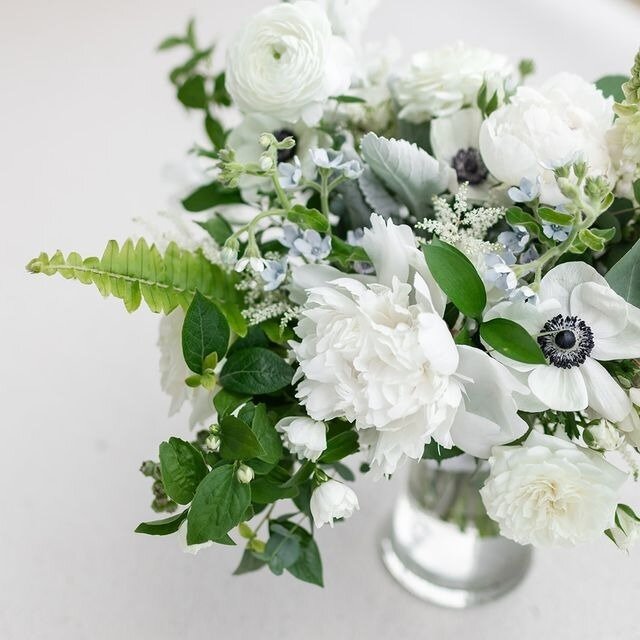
(308, 565)
(248, 563)
(406, 170)
(624, 276)
(512, 340)
(219, 505)
(457, 277)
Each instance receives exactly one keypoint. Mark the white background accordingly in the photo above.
(87, 122)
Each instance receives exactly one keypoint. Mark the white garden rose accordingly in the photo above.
(551, 492)
(332, 500)
(286, 63)
(377, 352)
(439, 83)
(564, 120)
(303, 436)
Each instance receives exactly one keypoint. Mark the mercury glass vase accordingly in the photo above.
(441, 545)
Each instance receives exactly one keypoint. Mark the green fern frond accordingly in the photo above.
(140, 272)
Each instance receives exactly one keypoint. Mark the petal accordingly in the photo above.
(605, 395)
(458, 131)
(600, 307)
(623, 345)
(437, 344)
(559, 389)
(559, 283)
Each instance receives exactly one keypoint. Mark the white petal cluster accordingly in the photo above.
(332, 500)
(440, 82)
(550, 492)
(286, 63)
(377, 352)
(564, 120)
(303, 436)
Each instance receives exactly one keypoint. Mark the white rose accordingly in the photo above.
(377, 352)
(564, 120)
(303, 437)
(332, 500)
(286, 63)
(440, 82)
(550, 492)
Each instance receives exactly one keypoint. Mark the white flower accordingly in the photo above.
(578, 320)
(332, 500)
(349, 17)
(565, 119)
(550, 492)
(303, 437)
(605, 436)
(455, 140)
(286, 63)
(245, 141)
(624, 147)
(174, 371)
(193, 549)
(439, 83)
(377, 352)
(630, 425)
(245, 474)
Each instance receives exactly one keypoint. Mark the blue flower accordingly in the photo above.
(529, 255)
(526, 192)
(326, 158)
(556, 232)
(274, 273)
(308, 244)
(524, 294)
(290, 174)
(499, 273)
(514, 241)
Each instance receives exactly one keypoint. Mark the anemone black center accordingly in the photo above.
(284, 155)
(469, 166)
(566, 341)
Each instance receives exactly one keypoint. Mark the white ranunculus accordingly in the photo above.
(455, 140)
(579, 320)
(286, 63)
(439, 83)
(551, 492)
(564, 120)
(377, 352)
(332, 500)
(303, 436)
(245, 141)
(174, 371)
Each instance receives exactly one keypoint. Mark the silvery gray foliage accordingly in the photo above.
(408, 171)
(377, 196)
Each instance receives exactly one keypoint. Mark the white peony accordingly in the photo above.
(550, 492)
(174, 371)
(564, 120)
(579, 320)
(378, 353)
(286, 63)
(303, 437)
(439, 83)
(332, 500)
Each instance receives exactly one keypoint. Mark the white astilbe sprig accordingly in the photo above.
(462, 225)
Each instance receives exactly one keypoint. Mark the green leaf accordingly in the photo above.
(255, 371)
(612, 86)
(215, 131)
(308, 565)
(205, 331)
(171, 42)
(282, 550)
(218, 506)
(238, 442)
(163, 527)
(591, 239)
(209, 196)
(308, 218)
(183, 71)
(264, 491)
(140, 272)
(220, 94)
(193, 94)
(433, 451)
(339, 447)
(344, 253)
(255, 338)
(624, 276)
(512, 340)
(556, 217)
(218, 228)
(182, 467)
(349, 100)
(226, 402)
(267, 435)
(515, 216)
(301, 475)
(248, 563)
(457, 277)
(636, 190)
(343, 471)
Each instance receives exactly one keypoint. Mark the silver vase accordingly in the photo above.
(441, 545)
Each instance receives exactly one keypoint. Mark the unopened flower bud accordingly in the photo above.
(213, 442)
(266, 162)
(568, 189)
(245, 474)
(266, 140)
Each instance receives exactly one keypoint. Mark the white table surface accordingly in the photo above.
(87, 122)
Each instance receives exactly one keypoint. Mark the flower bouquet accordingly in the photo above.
(428, 261)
